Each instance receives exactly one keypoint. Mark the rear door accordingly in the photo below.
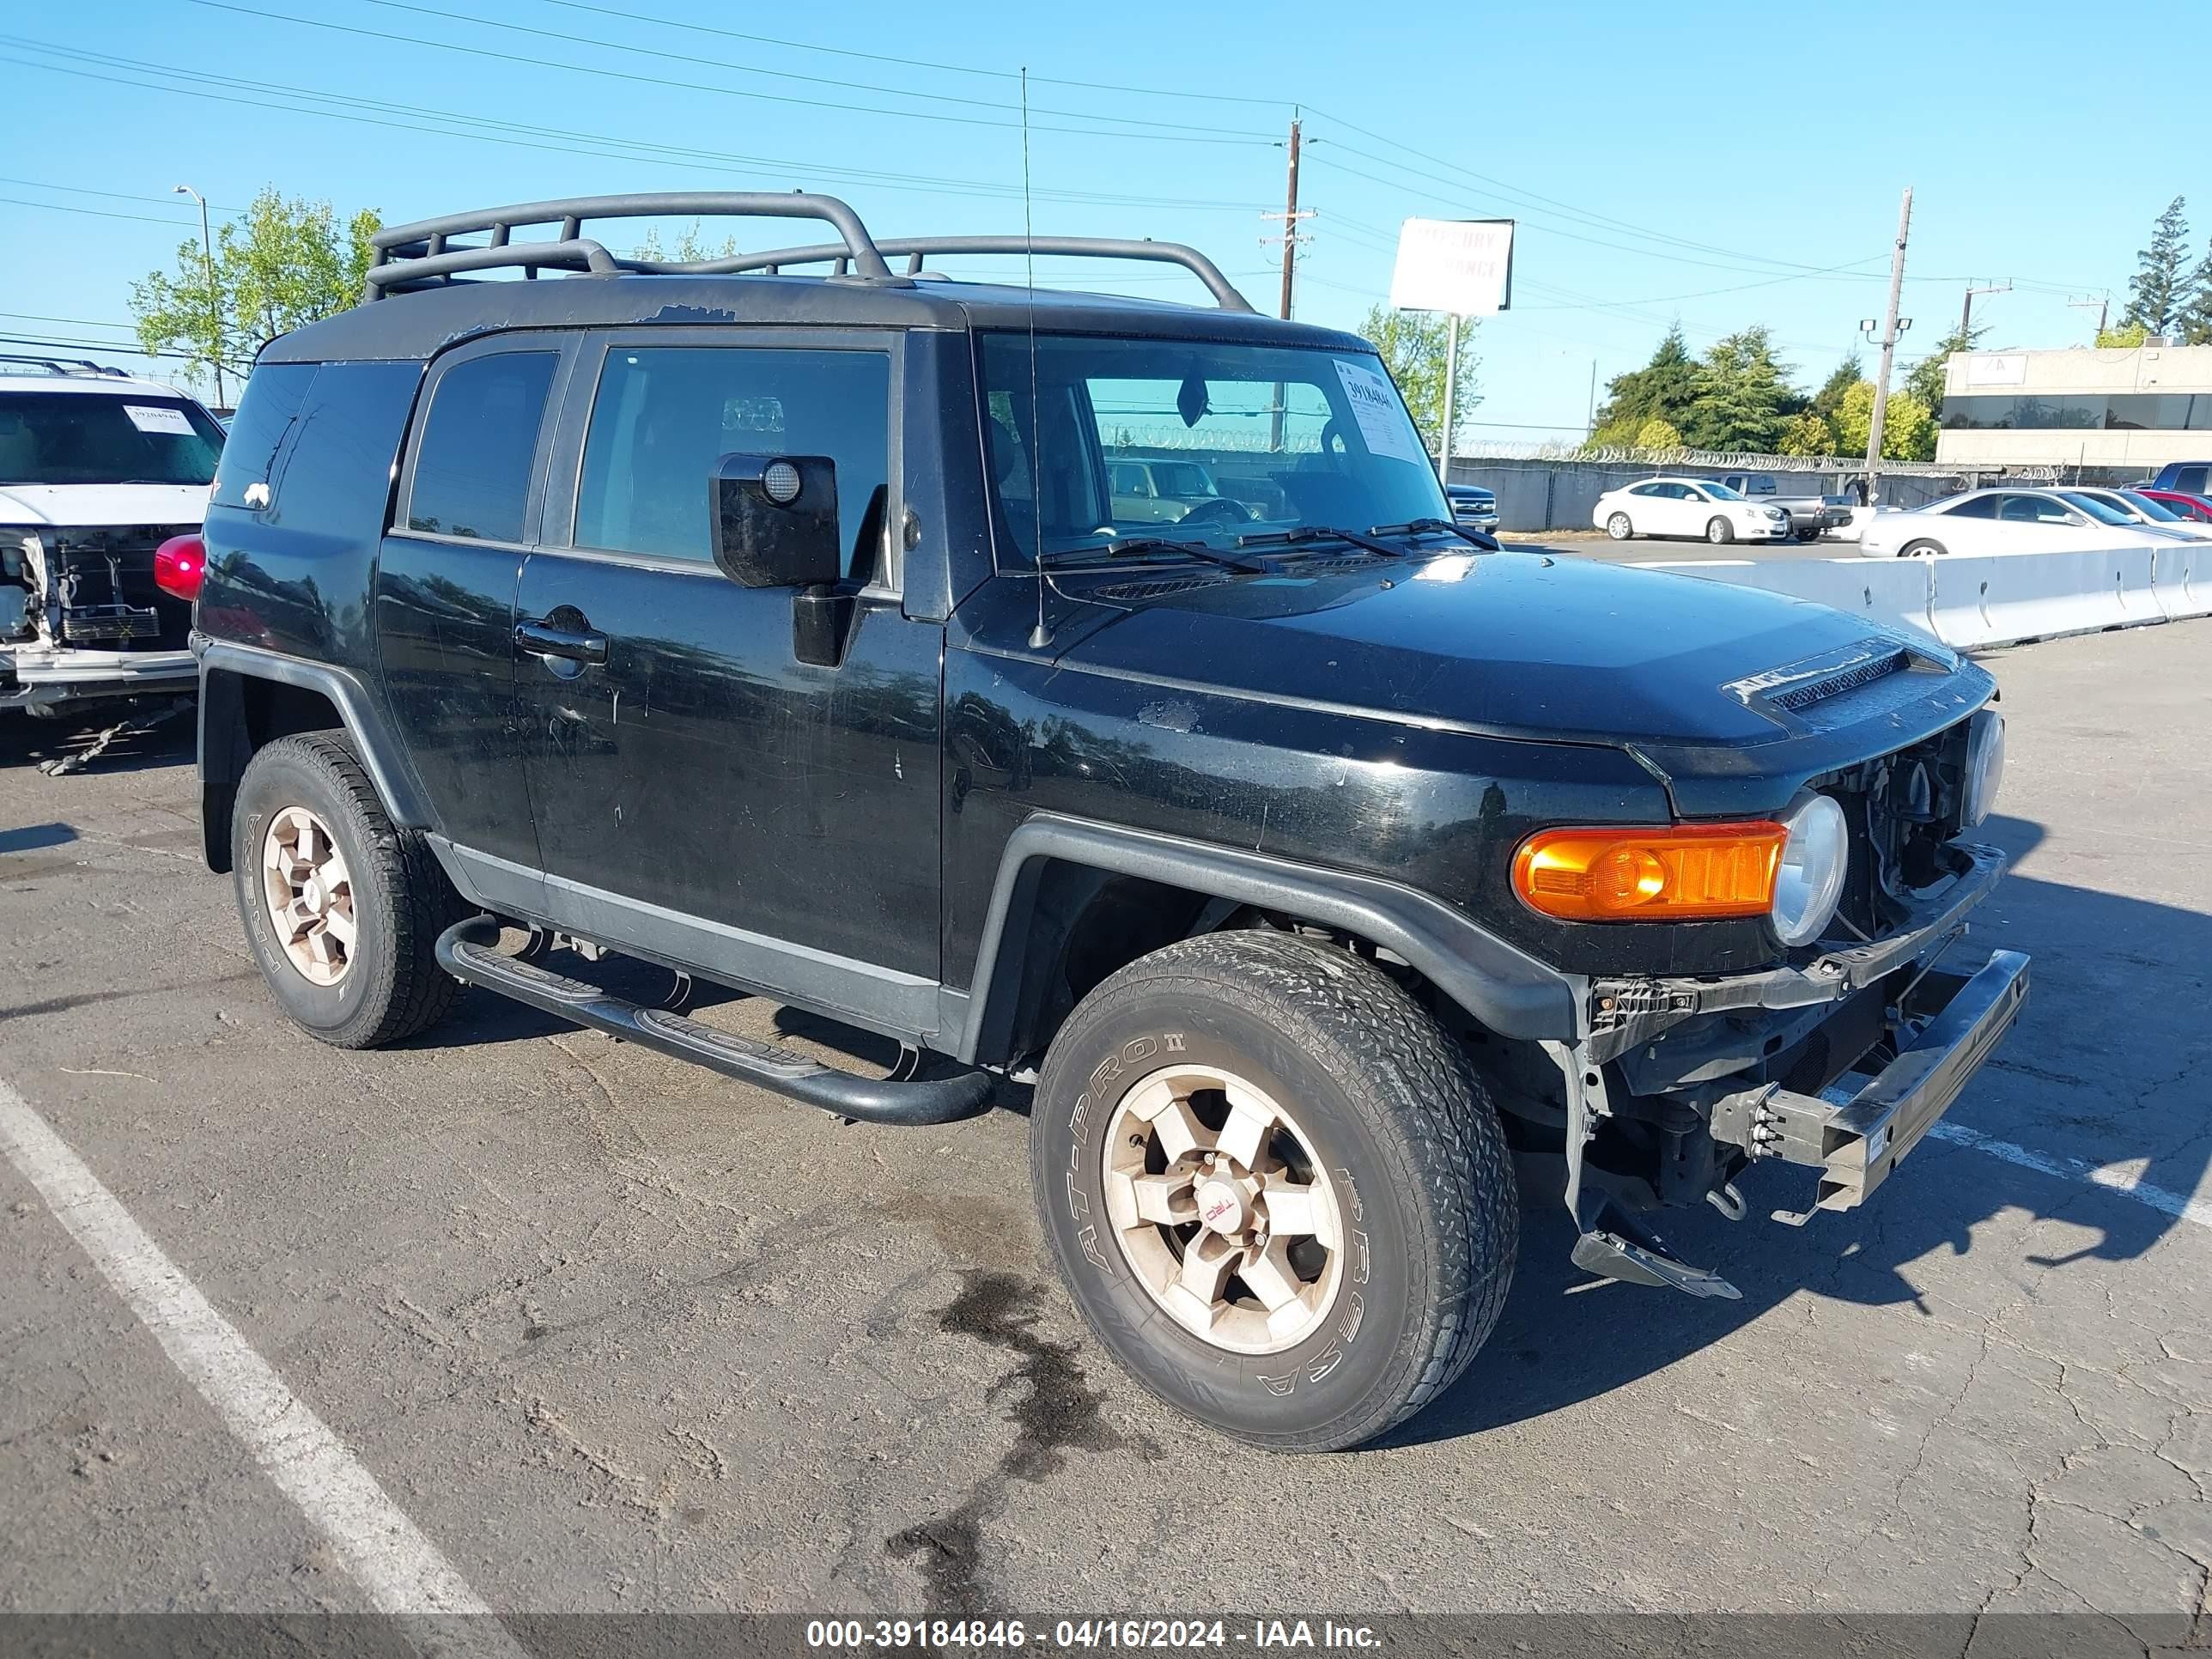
(469, 494)
(700, 794)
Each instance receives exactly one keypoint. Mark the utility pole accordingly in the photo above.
(1451, 388)
(1291, 215)
(1966, 310)
(2104, 304)
(1888, 345)
(1590, 418)
(215, 301)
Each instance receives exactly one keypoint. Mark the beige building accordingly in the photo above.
(2133, 409)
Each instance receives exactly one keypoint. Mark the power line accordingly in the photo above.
(96, 213)
(451, 125)
(845, 108)
(781, 75)
(917, 62)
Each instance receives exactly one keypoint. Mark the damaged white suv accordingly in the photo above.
(97, 472)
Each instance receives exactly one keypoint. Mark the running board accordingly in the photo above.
(469, 951)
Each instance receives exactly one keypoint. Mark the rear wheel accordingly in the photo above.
(1274, 1188)
(1618, 528)
(1719, 533)
(341, 907)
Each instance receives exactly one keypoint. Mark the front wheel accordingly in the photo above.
(1618, 528)
(1719, 533)
(1274, 1188)
(1922, 550)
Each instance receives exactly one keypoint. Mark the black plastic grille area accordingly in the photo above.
(1797, 698)
(1155, 589)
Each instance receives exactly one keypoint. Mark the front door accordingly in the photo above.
(701, 794)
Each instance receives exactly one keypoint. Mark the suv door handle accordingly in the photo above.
(541, 638)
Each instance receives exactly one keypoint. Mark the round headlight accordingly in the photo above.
(1985, 759)
(1810, 883)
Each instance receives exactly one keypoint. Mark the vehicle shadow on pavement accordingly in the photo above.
(26, 742)
(2075, 1088)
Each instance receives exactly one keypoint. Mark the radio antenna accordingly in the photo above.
(1040, 635)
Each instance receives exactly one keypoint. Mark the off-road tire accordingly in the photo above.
(1399, 1119)
(1719, 532)
(394, 988)
(1618, 527)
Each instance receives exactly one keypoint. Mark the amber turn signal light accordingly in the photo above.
(1674, 873)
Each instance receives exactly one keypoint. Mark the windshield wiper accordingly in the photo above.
(1128, 546)
(1488, 543)
(1314, 532)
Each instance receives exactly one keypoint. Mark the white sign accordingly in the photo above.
(148, 418)
(1382, 418)
(2009, 369)
(1464, 266)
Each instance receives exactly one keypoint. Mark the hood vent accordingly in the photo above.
(1155, 589)
(1799, 698)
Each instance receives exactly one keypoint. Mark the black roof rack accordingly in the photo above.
(423, 254)
(80, 367)
(916, 249)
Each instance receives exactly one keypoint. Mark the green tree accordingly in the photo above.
(1806, 433)
(690, 247)
(1413, 344)
(2195, 318)
(1658, 434)
(1742, 399)
(1663, 390)
(2158, 291)
(284, 264)
(1924, 379)
(1908, 428)
(2122, 339)
(1848, 373)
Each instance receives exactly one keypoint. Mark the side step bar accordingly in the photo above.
(469, 951)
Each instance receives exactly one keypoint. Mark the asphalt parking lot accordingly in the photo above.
(615, 1334)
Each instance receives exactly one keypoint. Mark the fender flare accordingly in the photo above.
(1506, 990)
(223, 749)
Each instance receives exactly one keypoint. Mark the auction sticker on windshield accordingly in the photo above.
(154, 418)
(1383, 423)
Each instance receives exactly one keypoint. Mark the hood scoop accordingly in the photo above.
(1786, 694)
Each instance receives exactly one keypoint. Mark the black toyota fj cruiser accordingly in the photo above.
(1308, 854)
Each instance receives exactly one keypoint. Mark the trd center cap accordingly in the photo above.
(1223, 1207)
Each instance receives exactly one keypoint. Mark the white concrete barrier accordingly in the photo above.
(2181, 580)
(2001, 598)
(1969, 601)
(1895, 590)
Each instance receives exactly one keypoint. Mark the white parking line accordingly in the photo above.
(399, 1569)
(2178, 1204)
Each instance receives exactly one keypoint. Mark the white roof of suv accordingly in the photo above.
(66, 374)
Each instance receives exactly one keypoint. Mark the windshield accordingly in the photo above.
(94, 438)
(2104, 512)
(1720, 492)
(1111, 440)
(2149, 508)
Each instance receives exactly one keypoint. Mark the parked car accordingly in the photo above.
(1307, 867)
(1810, 515)
(98, 470)
(1167, 490)
(1689, 507)
(2146, 512)
(1999, 521)
(1472, 505)
(2190, 477)
(2196, 508)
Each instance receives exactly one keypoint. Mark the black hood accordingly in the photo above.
(1531, 646)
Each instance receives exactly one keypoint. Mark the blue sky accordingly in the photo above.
(1720, 164)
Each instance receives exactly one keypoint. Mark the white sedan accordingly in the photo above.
(1687, 506)
(2146, 513)
(2007, 521)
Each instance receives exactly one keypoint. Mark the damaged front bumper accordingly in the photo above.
(1841, 1064)
(40, 678)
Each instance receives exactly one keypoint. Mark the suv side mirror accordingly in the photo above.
(774, 520)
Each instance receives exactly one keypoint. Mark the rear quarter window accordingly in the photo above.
(266, 412)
